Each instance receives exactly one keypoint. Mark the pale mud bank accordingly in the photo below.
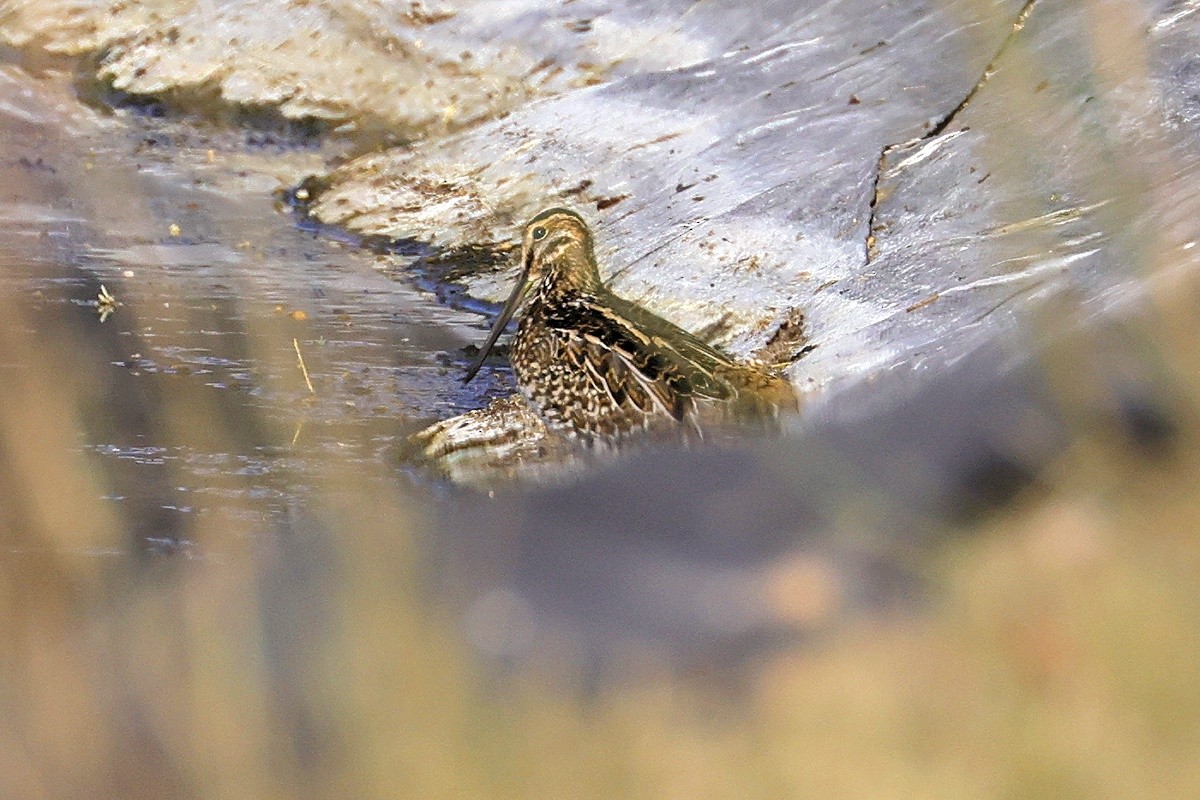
(890, 175)
(911, 184)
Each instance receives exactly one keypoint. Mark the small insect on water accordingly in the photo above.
(106, 304)
(598, 367)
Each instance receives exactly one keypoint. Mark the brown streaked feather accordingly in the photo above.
(611, 395)
(641, 393)
(674, 367)
(698, 363)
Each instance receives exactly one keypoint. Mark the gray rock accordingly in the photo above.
(732, 192)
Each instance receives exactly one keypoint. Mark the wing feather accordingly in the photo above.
(636, 365)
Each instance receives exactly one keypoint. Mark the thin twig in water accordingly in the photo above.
(303, 368)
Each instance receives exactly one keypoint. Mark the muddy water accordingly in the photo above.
(196, 402)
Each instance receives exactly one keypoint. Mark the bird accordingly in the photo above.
(599, 368)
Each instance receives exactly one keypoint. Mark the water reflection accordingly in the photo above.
(190, 401)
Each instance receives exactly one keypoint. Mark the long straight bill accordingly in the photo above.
(510, 307)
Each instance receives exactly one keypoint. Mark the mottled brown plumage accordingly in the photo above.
(597, 366)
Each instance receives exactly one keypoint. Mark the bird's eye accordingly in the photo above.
(539, 233)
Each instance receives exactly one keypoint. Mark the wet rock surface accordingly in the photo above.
(912, 184)
(735, 191)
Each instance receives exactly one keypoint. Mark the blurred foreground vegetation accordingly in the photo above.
(1058, 655)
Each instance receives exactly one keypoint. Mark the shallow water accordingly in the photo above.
(197, 402)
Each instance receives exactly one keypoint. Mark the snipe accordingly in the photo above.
(597, 366)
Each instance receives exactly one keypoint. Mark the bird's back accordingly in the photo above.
(598, 365)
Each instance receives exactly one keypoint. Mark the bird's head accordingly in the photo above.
(557, 251)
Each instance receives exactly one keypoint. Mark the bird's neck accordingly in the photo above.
(570, 270)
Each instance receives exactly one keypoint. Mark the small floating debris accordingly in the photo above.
(106, 304)
(303, 368)
(298, 314)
